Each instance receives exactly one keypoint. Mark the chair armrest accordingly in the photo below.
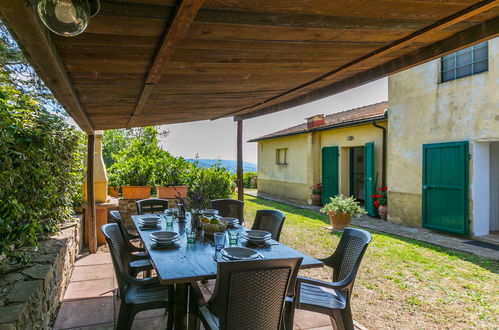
(133, 236)
(330, 285)
(197, 294)
(144, 281)
(140, 256)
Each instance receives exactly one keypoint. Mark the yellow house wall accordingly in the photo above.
(291, 180)
(423, 110)
(362, 134)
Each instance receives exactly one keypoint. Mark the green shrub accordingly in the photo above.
(211, 183)
(41, 166)
(138, 160)
(249, 180)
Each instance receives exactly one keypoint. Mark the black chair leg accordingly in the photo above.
(125, 317)
(346, 318)
(170, 317)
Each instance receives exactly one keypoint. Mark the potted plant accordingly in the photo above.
(169, 178)
(341, 209)
(381, 202)
(113, 185)
(136, 177)
(316, 194)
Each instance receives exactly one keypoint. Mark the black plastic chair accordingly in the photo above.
(151, 205)
(333, 299)
(247, 294)
(269, 220)
(229, 208)
(115, 214)
(137, 261)
(136, 295)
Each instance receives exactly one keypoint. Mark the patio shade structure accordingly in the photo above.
(151, 62)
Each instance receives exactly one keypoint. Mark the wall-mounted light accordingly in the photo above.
(350, 138)
(67, 18)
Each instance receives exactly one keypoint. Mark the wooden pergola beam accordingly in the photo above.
(39, 47)
(174, 33)
(480, 33)
(458, 17)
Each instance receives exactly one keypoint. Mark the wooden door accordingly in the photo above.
(445, 187)
(369, 175)
(329, 173)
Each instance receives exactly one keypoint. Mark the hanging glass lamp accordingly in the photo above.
(67, 18)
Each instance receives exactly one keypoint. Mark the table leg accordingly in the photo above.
(181, 294)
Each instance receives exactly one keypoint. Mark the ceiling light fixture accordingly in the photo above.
(67, 18)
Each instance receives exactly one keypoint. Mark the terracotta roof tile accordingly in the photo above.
(348, 117)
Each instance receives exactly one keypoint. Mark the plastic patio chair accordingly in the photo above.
(229, 208)
(138, 261)
(333, 299)
(115, 214)
(269, 220)
(151, 205)
(247, 295)
(136, 295)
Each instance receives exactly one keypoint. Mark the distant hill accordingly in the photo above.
(230, 165)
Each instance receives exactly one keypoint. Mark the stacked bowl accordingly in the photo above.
(164, 238)
(257, 236)
(149, 222)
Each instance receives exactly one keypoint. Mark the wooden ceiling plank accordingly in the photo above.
(480, 33)
(458, 17)
(175, 32)
(38, 46)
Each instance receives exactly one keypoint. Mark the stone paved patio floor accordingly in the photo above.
(89, 303)
(420, 234)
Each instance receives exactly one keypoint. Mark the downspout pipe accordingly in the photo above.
(384, 152)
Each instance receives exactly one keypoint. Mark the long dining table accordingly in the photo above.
(183, 262)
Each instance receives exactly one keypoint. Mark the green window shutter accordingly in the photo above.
(369, 174)
(445, 187)
(329, 173)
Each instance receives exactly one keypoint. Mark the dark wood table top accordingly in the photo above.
(187, 262)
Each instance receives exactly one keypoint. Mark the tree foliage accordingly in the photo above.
(21, 74)
(41, 162)
(135, 158)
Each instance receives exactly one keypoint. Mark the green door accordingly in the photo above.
(369, 172)
(329, 173)
(445, 187)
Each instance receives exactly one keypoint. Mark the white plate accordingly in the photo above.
(258, 234)
(163, 235)
(239, 253)
(229, 220)
(209, 212)
(149, 220)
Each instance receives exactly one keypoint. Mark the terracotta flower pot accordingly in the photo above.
(170, 192)
(339, 221)
(113, 191)
(316, 199)
(383, 211)
(136, 192)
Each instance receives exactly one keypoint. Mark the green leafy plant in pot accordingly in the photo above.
(135, 173)
(169, 176)
(341, 210)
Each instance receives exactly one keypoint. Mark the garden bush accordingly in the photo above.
(249, 180)
(41, 169)
(137, 159)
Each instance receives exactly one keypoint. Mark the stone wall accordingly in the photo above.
(30, 295)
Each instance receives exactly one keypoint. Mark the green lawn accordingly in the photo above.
(402, 283)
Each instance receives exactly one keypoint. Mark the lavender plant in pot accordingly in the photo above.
(341, 210)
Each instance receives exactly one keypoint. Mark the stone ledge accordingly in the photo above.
(30, 294)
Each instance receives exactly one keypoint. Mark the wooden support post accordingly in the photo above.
(240, 187)
(90, 218)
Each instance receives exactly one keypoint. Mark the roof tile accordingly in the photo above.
(352, 116)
